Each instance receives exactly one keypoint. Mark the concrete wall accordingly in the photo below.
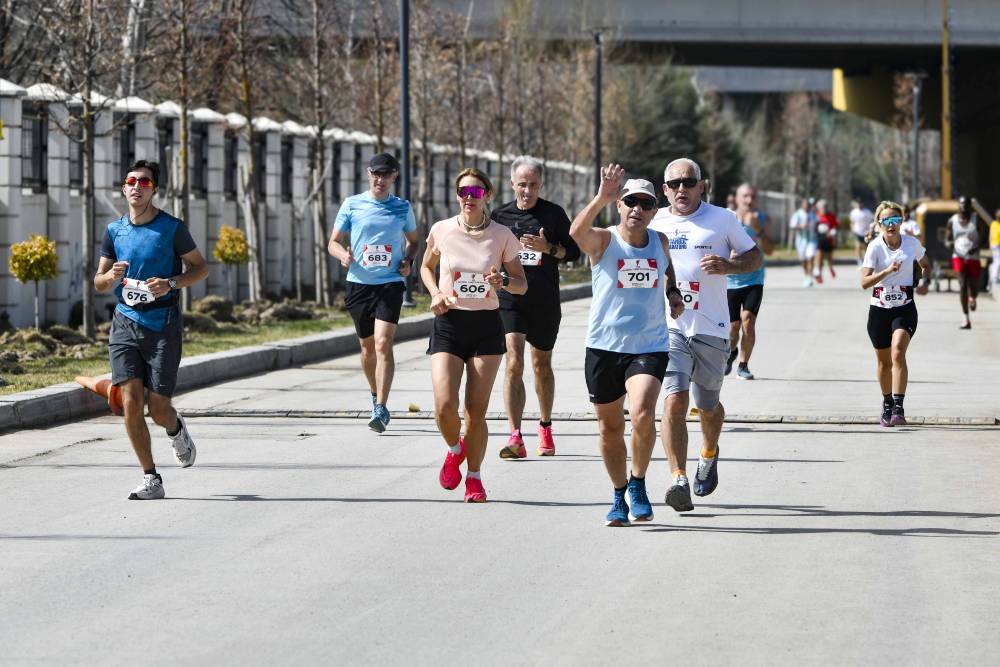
(56, 210)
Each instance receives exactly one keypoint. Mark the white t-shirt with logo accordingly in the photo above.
(861, 220)
(879, 256)
(710, 230)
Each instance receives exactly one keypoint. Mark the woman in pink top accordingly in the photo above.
(468, 333)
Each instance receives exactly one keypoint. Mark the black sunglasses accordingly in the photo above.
(644, 203)
(676, 183)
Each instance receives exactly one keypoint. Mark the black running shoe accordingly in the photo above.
(679, 495)
(729, 362)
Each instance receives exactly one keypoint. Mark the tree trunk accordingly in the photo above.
(182, 154)
(89, 325)
(38, 326)
(379, 114)
(256, 276)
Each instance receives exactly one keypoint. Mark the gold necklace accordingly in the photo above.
(470, 228)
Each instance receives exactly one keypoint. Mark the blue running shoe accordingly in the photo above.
(642, 509)
(707, 477)
(618, 516)
(380, 419)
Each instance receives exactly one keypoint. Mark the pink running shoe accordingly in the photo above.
(515, 447)
(474, 491)
(546, 446)
(451, 474)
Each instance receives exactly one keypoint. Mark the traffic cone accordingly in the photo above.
(103, 387)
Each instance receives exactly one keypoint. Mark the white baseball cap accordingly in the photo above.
(638, 186)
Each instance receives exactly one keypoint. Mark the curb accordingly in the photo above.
(69, 401)
(830, 420)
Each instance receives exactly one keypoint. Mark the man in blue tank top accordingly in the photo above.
(142, 259)
(627, 333)
(745, 291)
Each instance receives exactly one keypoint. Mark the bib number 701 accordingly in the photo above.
(637, 274)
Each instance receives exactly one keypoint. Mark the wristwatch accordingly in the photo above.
(172, 283)
(505, 278)
(554, 248)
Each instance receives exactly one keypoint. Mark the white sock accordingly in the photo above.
(455, 449)
(679, 478)
(473, 475)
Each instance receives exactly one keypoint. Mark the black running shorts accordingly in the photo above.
(367, 303)
(539, 324)
(606, 372)
(468, 333)
(152, 356)
(882, 322)
(744, 298)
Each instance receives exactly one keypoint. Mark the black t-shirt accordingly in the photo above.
(543, 280)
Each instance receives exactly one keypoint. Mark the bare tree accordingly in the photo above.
(80, 40)
(21, 38)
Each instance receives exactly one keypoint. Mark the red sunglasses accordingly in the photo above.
(143, 181)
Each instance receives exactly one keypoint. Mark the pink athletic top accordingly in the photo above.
(466, 258)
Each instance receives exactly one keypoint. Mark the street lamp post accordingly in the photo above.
(915, 181)
(598, 40)
(404, 120)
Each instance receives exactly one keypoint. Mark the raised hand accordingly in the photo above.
(611, 182)
(532, 242)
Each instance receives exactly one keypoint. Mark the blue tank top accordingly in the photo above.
(628, 313)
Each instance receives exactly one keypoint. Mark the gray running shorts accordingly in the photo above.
(699, 360)
(152, 356)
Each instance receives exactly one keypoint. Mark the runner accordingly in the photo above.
(995, 250)
(703, 240)
(543, 230)
(745, 292)
(803, 226)
(468, 333)
(963, 235)
(143, 257)
(861, 222)
(627, 333)
(368, 240)
(826, 240)
(892, 315)
(910, 227)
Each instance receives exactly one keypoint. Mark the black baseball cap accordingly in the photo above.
(383, 162)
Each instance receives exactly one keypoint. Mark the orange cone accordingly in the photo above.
(103, 387)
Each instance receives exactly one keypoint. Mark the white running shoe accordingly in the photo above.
(184, 449)
(150, 489)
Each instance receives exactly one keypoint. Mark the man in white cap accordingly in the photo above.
(707, 243)
(627, 333)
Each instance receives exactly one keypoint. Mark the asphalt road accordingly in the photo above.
(298, 540)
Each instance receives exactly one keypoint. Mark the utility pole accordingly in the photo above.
(404, 120)
(598, 41)
(947, 171)
(918, 78)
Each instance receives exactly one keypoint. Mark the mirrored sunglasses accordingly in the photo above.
(894, 220)
(143, 181)
(688, 183)
(474, 191)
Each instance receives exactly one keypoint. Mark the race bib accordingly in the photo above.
(637, 274)
(690, 292)
(136, 292)
(530, 257)
(471, 285)
(890, 296)
(376, 256)
(963, 245)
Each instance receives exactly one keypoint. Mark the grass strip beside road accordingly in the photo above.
(57, 370)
